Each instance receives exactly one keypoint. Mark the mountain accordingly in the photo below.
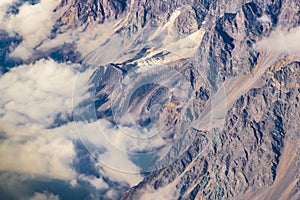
(254, 153)
(201, 97)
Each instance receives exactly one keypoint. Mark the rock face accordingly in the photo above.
(245, 157)
(87, 11)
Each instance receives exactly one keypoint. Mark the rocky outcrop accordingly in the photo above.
(82, 12)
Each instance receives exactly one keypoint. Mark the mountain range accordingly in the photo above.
(150, 99)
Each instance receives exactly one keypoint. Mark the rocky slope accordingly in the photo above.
(259, 136)
(246, 156)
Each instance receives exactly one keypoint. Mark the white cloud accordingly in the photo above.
(41, 153)
(31, 98)
(4, 4)
(167, 192)
(98, 183)
(35, 22)
(120, 176)
(112, 146)
(38, 91)
(86, 39)
(32, 22)
(265, 18)
(114, 163)
(44, 196)
(282, 41)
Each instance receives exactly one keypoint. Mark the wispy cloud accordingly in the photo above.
(282, 41)
(167, 192)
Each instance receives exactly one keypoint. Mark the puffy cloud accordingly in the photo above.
(38, 138)
(282, 41)
(37, 92)
(33, 22)
(33, 96)
(40, 153)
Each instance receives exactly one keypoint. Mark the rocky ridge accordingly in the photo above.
(244, 155)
